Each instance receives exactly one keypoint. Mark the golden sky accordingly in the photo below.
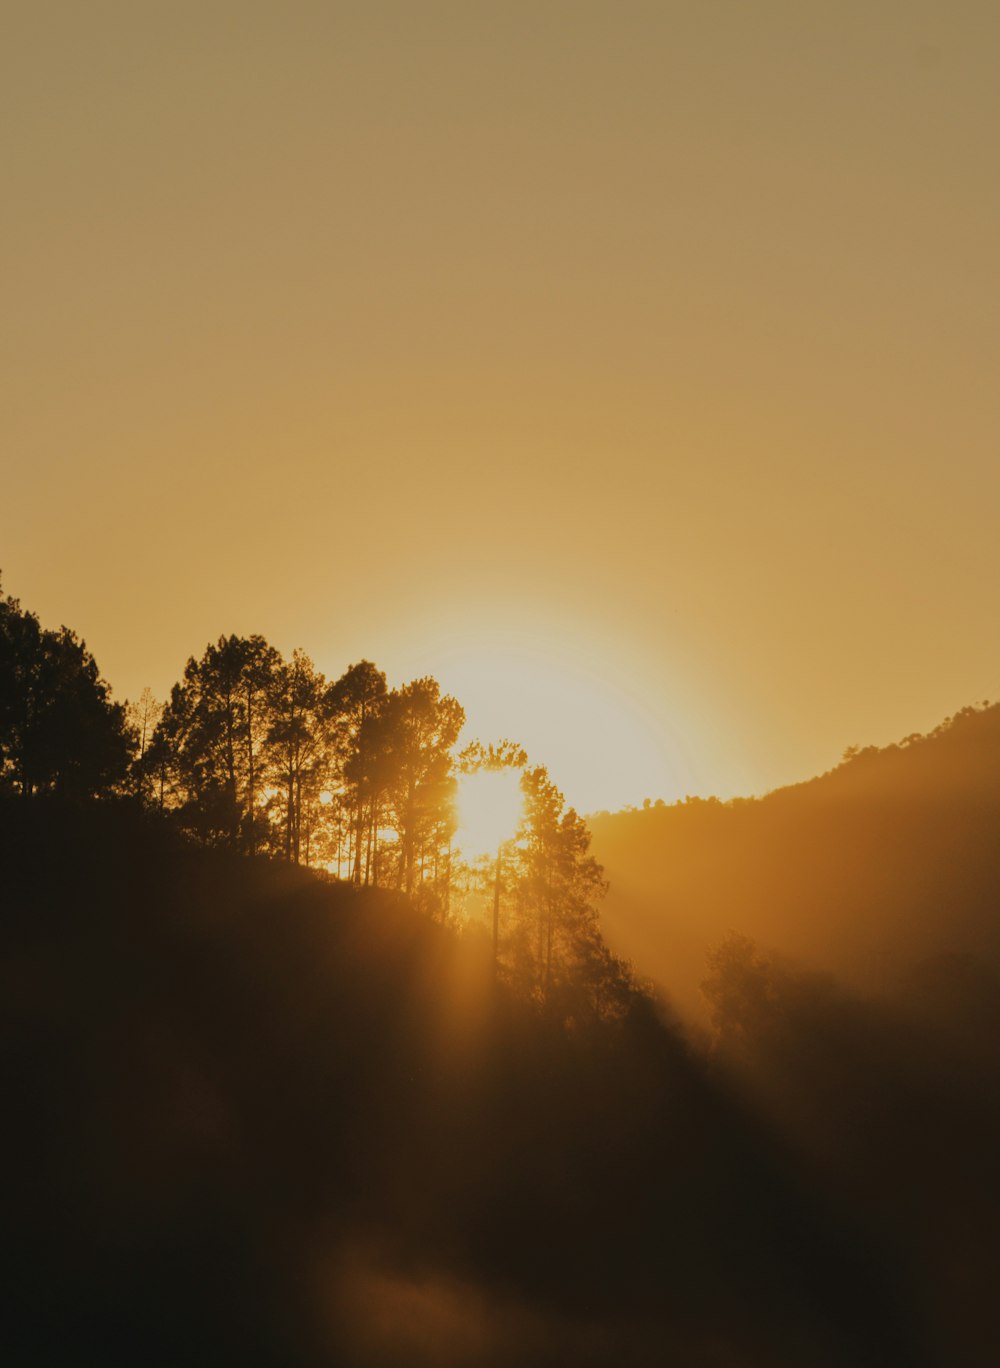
(632, 367)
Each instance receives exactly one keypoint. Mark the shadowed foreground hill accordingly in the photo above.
(889, 860)
(255, 1118)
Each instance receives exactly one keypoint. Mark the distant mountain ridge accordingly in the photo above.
(889, 859)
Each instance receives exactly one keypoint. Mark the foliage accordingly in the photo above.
(262, 755)
(862, 872)
(411, 740)
(209, 745)
(554, 943)
(142, 718)
(743, 990)
(59, 730)
(355, 700)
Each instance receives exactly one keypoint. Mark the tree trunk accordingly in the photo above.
(231, 772)
(298, 814)
(375, 819)
(359, 820)
(548, 946)
(408, 841)
(496, 911)
(251, 776)
(368, 847)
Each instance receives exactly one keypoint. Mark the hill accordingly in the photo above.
(837, 946)
(254, 1116)
(888, 861)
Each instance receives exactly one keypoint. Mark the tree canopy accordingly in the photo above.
(262, 755)
(59, 731)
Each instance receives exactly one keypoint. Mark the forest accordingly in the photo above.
(292, 1079)
(260, 755)
(873, 872)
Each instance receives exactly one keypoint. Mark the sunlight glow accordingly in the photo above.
(608, 729)
(489, 807)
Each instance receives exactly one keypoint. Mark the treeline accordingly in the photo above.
(886, 862)
(262, 755)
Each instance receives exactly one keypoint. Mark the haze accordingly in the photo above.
(638, 354)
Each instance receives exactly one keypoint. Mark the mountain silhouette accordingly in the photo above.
(890, 860)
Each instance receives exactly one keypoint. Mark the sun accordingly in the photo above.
(609, 729)
(490, 803)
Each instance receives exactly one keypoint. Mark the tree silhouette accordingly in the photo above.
(297, 740)
(351, 702)
(548, 946)
(744, 992)
(417, 729)
(494, 757)
(143, 717)
(59, 730)
(212, 737)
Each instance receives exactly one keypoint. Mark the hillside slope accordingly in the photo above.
(889, 859)
(252, 1117)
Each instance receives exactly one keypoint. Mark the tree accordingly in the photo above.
(554, 949)
(351, 703)
(59, 730)
(494, 758)
(212, 739)
(297, 742)
(415, 734)
(745, 992)
(142, 718)
(259, 666)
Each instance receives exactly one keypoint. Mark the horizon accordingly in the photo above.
(540, 722)
(628, 369)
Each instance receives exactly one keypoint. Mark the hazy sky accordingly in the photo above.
(632, 367)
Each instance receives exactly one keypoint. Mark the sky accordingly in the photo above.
(630, 367)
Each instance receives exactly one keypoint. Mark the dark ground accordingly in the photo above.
(255, 1118)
